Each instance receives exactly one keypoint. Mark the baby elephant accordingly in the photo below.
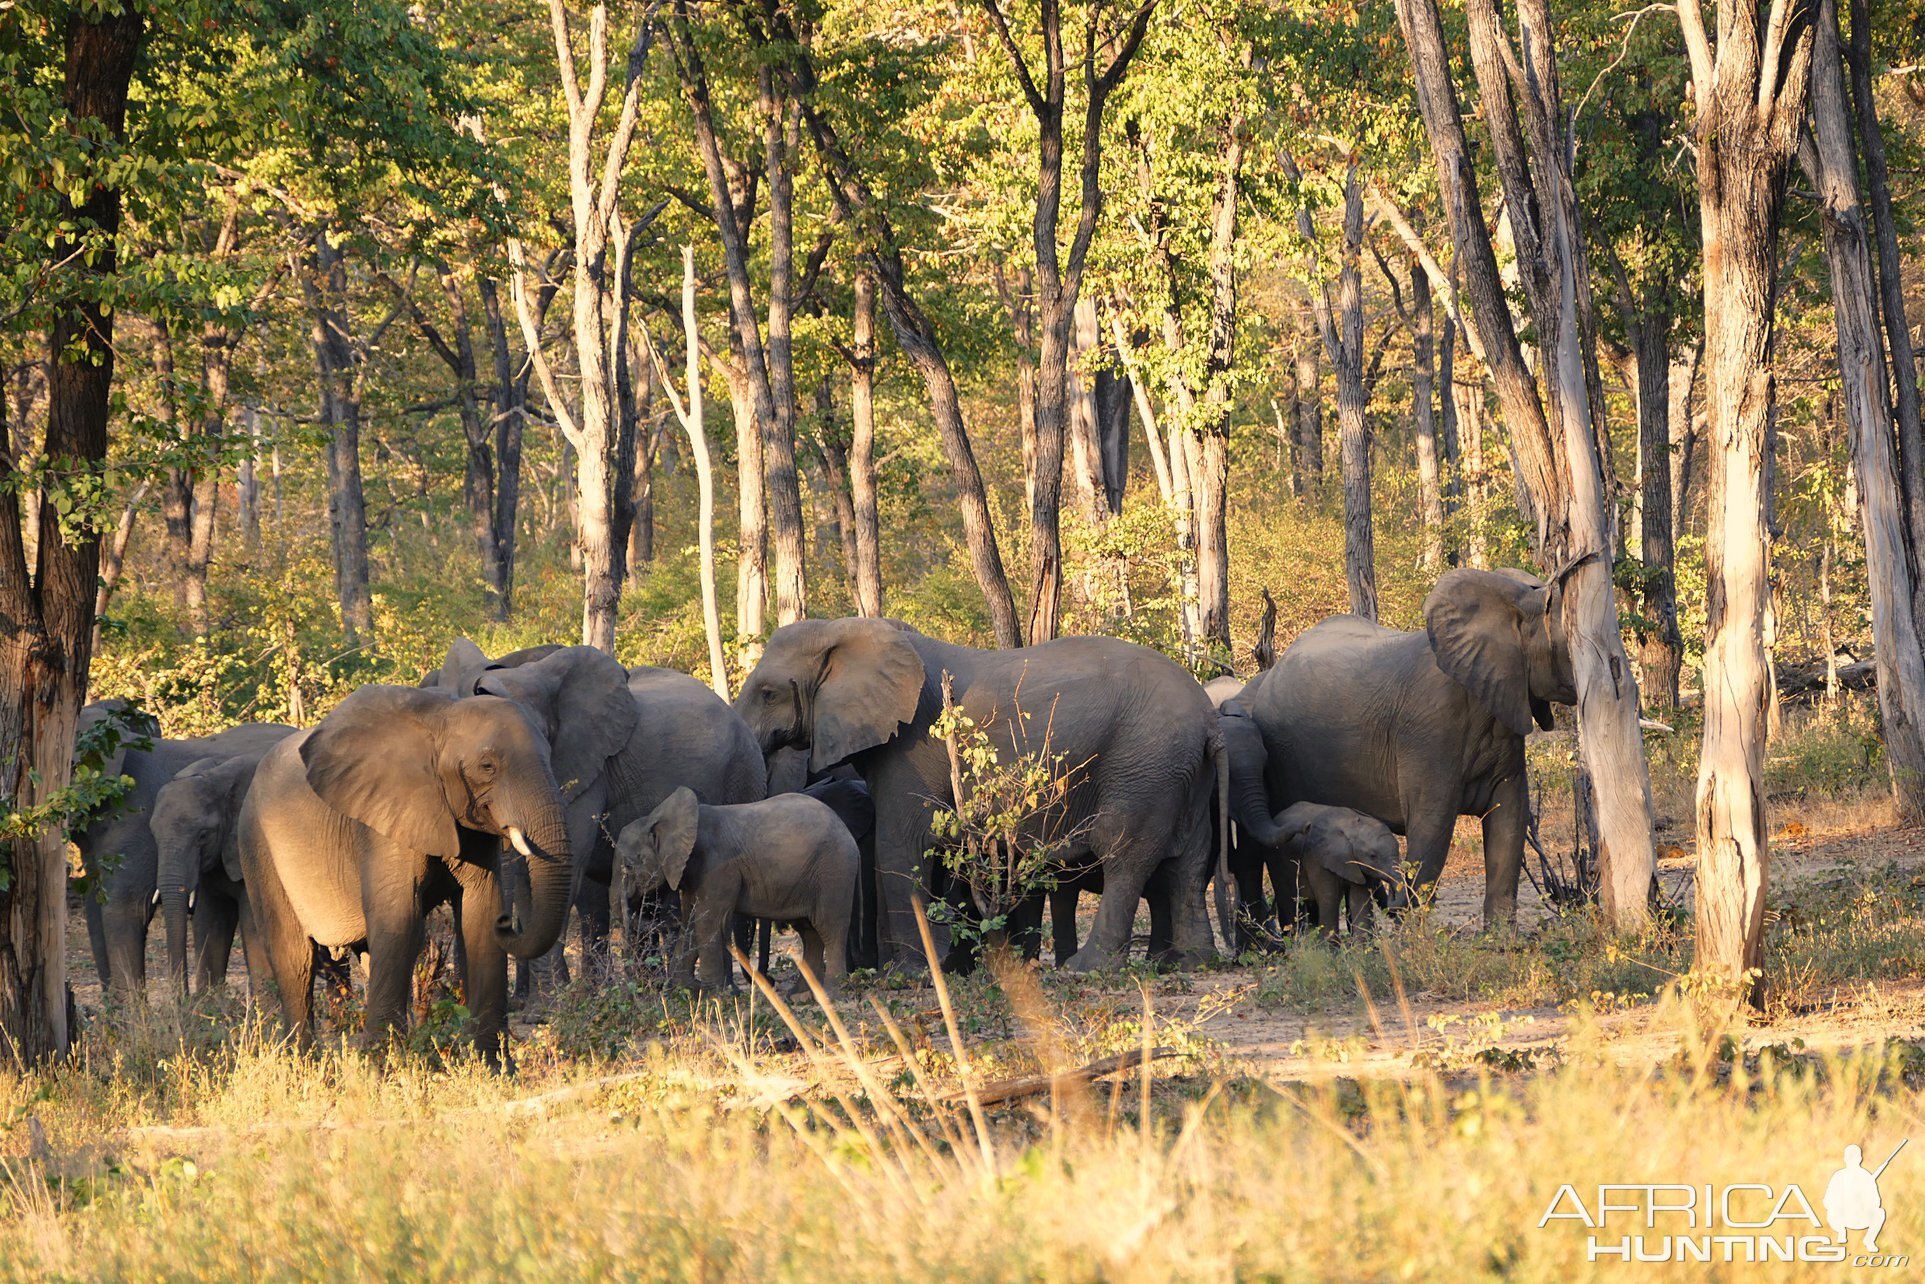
(787, 858)
(1343, 855)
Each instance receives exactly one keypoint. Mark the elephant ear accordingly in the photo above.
(1477, 622)
(868, 685)
(580, 699)
(458, 671)
(675, 823)
(374, 760)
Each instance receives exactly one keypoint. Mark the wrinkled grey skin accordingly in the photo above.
(1256, 847)
(1417, 729)
(197, 845)
(1137, 728)
(119, 915)
(1345, 857)
(398, 802)
(788, 859)
(625, 739)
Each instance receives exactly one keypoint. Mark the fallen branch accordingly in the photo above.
(1036, 1084)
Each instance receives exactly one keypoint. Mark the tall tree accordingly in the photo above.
(1750, 90)
(1059, 275)
(48, 608)
(1559, 435)
(1831, 162)
(593, 426)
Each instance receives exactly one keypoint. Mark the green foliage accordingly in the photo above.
(91, 791)
(1007, 829)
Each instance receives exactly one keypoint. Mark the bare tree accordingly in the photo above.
(325, 287)
(1750, 95)
(593, 426)
(1340, 320)
(862, 449)
(1557, 436)
(689, 414)
(1059, 276)
(1831, 162)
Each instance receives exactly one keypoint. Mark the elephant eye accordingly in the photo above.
(768, 693)
(485, 767)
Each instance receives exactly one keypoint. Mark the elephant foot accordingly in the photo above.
(1090, 959)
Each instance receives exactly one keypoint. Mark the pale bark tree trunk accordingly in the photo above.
(247, 482)
(1470, 432)
(1684, 434)
(916, 336)
(1430, 489)
(1059, 276)
(1341, 321)
(1750, 97)
(593, 427)
(689, 415)
(751, 510)
(44, 650)
(326, 288)
(862, 451)
(1086, 432)
(1661, 652)
(1831, 164)
(1309, 371)
(1558, 438)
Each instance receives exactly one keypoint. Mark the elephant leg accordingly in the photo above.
(252, 945)
(1062, 919)
(125, 927)
(1431, 824)
(484, 989)
(833, 931)
(1128, 856)
(216, 915)
(1246, 867)
(902, 828)
(592, 911)
(1162, 934)
(97, 937)
(1192, 939)
(1327, 890)
(1361, 903)
(815, 957)
(1024, 927)
(1285, 887)
(1505, 825)
(863, 919)
(393, 909)
(709, 924)
(286, 946)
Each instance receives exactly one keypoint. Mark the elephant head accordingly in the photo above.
(461, 670)
(1500, 636)
(193, 826)
(1355, 847)
(1249, 796)
(654, 851)
(578, 696)
(833, 687)
(417, 766)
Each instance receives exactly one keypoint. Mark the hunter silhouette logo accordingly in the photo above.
(1851, 1197)
(1734, 1222)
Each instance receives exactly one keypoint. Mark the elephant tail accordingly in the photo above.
(1225, 903)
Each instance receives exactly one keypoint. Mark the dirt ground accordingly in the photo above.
(1217, 1007)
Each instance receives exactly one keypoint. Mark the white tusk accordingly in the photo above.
(520, 841)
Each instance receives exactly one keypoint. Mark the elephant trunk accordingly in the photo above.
(530, 932)
(1250, 804)
(177, 883)
(173, 909)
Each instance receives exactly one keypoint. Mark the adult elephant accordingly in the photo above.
(393, 804)
(625, 739)
(197, 846)
(117, 851)
(1135, 727)
(1256, 846)
(1420, 728)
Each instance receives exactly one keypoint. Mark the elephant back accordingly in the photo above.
(685, 736)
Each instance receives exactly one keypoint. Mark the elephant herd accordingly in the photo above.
(514, 789)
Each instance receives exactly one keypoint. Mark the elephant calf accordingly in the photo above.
(1345, 857)
(788, 858)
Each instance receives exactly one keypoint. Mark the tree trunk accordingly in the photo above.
(1831, 164)
(1212, 475)
(1746, 135)
(1309, 398)
(698, 442)
(510, 398)
(1683, 435)
(783, 133)
(752, 541)
(1470, 433)
(1897, 331)
(247, 482)
(1661, 646)
(1344, 337)
(116, 559)
(916, 336)
(326, 287)
(862, 451)
(45, 651)
(1430, 491)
